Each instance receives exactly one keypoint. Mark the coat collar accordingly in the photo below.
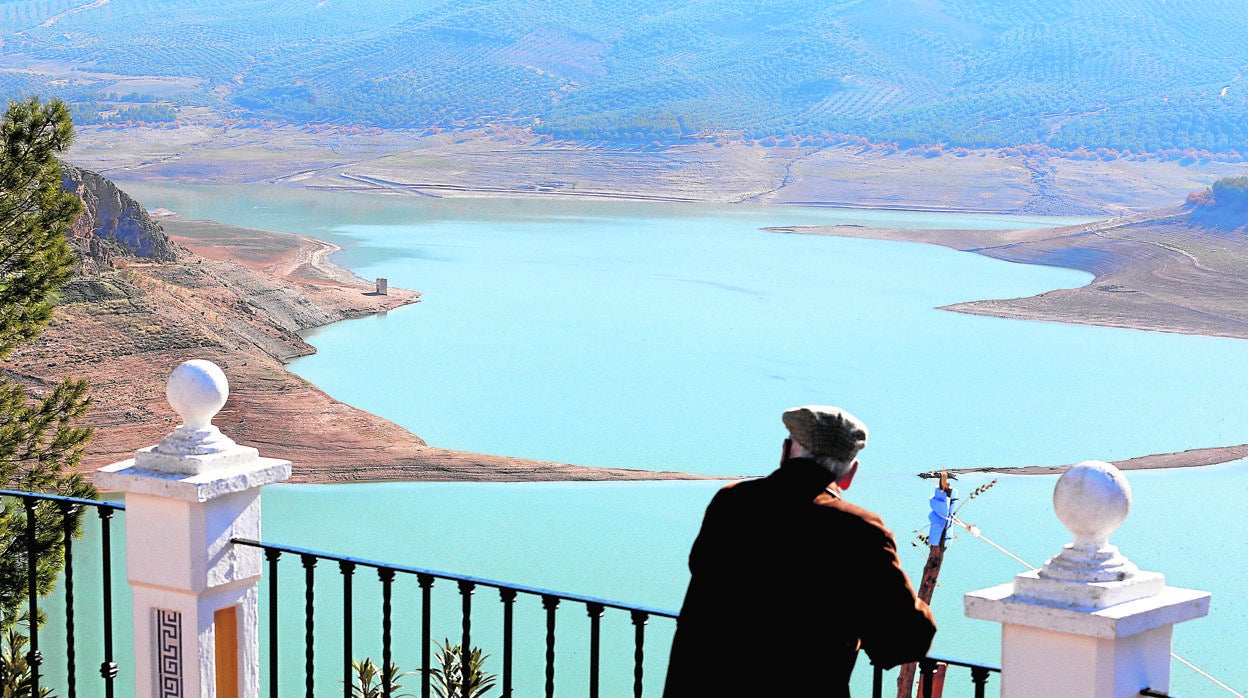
(807, 475)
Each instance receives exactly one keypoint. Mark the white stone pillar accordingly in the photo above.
(194, 593)
(1089, 624)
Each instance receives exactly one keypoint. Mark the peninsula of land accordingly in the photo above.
(1169, 270)
(1182, 269)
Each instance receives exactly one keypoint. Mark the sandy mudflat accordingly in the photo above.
(1181, 459)
(516, 162)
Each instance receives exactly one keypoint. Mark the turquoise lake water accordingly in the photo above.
(672, 336)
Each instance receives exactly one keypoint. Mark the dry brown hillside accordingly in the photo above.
(238, 298)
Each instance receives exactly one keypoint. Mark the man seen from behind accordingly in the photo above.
(789, 580)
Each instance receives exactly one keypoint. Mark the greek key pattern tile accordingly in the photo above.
(168, 653)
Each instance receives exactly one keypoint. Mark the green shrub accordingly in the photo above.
(16, 676)
(369, 680)
(455, 678)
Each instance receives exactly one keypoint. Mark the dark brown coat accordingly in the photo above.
(788, 581)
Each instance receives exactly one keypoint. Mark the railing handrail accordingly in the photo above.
(961, 663)
(437, 574)
(59, 498)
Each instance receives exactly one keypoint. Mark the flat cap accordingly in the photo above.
(827, 431)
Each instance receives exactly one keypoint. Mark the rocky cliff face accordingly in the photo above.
(112, 225)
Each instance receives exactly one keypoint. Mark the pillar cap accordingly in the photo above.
(1173, 605)
(197, 390)
(1092, 499)
(127, 476)
(197, 454)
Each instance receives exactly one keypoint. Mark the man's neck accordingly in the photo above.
(809, 472)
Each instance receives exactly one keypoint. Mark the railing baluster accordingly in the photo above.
(595, 611)
(551, 604)
(273, 555)
(508, 597)
(108, 668)
(465, 645)
(640, 618)
(979, 677)
(348, 570)
(426, 630)
(309, 619)
(927, 668)
(387, 580)
(69, 518)
(877, 681)
(33, 658)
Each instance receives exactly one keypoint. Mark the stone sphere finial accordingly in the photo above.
(1092, 499)
(197, 390)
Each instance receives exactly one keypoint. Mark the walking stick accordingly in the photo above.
(942, 508)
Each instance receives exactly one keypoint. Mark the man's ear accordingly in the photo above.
(848, 478)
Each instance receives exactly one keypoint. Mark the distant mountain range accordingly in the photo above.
(1083, 76)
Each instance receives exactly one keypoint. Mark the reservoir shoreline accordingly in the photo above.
(1140, 282)
(305, 261)
(1181, 308)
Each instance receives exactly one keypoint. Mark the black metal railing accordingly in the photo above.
(927, 673)
(387, 573)
(69, 509)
